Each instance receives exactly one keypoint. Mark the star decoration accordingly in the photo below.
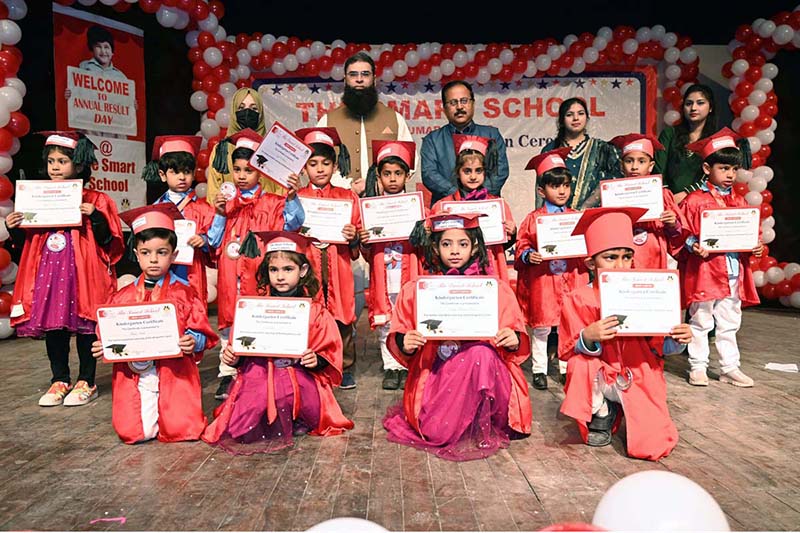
(505, 86)
(290, 88)
(629, 81)
(579, 83)
(615, 84)
(391, 87)
(429, 87)
(314, 89)
(276, 90)
(542, 84)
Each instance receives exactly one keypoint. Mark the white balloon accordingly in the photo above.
(606, 33)
(590, 55)
(769, 221)
(201, 190)
(750, 113)
(775, 274)
(227, 89)
(317, 49)
(736, 124)
(755, 145)
(672, 55)
(494, 66)
(17, 84)
(766, 28)
(435, 48)
(303, 55)
(483, 75)
(10, 34)
(243, 71)
(671, 117)
(643, 34)
(768, 235)
(347, 525)
(108, 2)
(254, 47)
(791, 269)
(764, 172)
(757, 97)
(531, 70)
(10, 98)
(209, 128)
(733, 82)
(739, 67)
(794, 299)
(337, 72)
(5, 328)
(291, 62)
(191, 38)
(553, 52)
(669, 39)
(267, 41)
(570, 39)
(126, 279)
(9, 274)
(387, 76)
(759, 279)
(753, 198)
(87, 2)
(682, 504)
(460, 58)
(221, 35)
(6, 163)
(672, 72)
(213, 56)
(183, 20)
(507, 56)
(17, 9)
(3, 233)
(578, 65)
(657, 32)
(769, 70)
(223, 118)
(766, 136)
(166, 16)
(629, 46)
(756, 23)
(688, 55)
(278, 68)
(338, 43)
(733, 44)
(773, 125)
(400, 68)
(6, 207)
(600, 43)
(209, 23)
(212, 276)
(436, 74)
(447, 67)
(543, 62)
(424, 51)
(764, 84)
(743, 175)
(15, 146)
(757, 184)
(242, 55)
(198, 101)
(212, 293)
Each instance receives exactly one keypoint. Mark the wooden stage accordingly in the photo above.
(65, 467)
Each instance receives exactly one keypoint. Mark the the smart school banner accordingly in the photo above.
(525, 112)
(99, 81)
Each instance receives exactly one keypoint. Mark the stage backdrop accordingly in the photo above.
(525, 112)
(100, 91)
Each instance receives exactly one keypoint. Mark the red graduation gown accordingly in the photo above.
(539, 291)
(199, 210)
(180, 409)
(651, 434)
(420, 364)
(96, 275)
(707, 279)
(341, 285)
(660, 240)
(378, 303)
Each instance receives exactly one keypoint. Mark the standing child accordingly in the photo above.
(331, 262)
(716, 285)
(392, 264)
(655, 239)
(274, 399)
(463, 399)
(173, 163)
(160, 399)
(65, 273)
(470, 173)
(250, 207)
(541, 285)
(607, 373)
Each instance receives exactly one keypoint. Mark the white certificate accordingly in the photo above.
(271, 327)
(457, 307)
(733, 229)
(645, 301)
(491, 225)
(391, 217)
(185, 229)
(139, 332)
(554, 239)
(646, 192)
(280, 153)
(49, 203)
(326, 218)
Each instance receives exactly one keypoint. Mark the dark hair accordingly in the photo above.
(309, 283)
(461, 160)
(562, 116)
(177, 162)
(450, 84)
(360, 56)
(156, 233)
(371, 188)
(98, 34)
(709, 128)
(242, 153)
(393, 159)
(555, 177)
(84, 174)
(433, 262)
(325, 150)
(726, 156)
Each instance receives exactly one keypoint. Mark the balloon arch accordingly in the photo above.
(222, 63)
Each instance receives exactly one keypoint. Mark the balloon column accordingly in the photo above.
(755, 105)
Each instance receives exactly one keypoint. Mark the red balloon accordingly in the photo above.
(770, 109)
(413, 74)
(206, 39)
(448, 50)
(210, 83)
(756, 161)
(784, 288)
(741, 188)
(6, 140)
(200, 174)
(241, 83)
(795, 282)
(211, 114)
(294, 43)
(195, 54)
(241, 40)
(436, 59)
(769, 291)
(424, 68)
(18, 124)
(215, 101)
(279, 50)
(763, 121)
(744, 88)
(5, 258)
(6, 188)
(200, 11)
(458, 74)
(121, 7)
(754, 43)
(482, 58)
(753, 74)
(756, 59)
(754, 262)
(9, 61)
(202, 157)
(169, 3)
(471, 70)
(748, 129)
(768, 262)
(764, 152)
(766, 194)
(772, 98)
(216, 7)
(765, 251)
(737, 105)
(185, 5)
(766, 210)
(200, 70)
(739, 53)
(325, 63)
(386, 58)
(671, 92)
(149, 6)
(197, 85)
(727, 69)
(266, 59)
(221, 73)
(312, 68)
(337, 54)
(743, 33)
(614, 50)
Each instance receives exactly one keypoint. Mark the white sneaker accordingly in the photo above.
(81, 394)
(698, 377)
(55, 394)
(737, 378)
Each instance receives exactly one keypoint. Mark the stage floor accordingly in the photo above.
(64, 467)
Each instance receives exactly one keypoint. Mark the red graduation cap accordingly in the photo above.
(445, 221)
(246, 138)
(402, 149)
(608, 227)
(164, 144)
(470, 142)
(327, 136)
(284, 241)
(65, 139)
(724, 138)
(637, 142)
(161, 215)
(548, 160)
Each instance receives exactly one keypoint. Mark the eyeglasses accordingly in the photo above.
(462, 101)
(354, 74)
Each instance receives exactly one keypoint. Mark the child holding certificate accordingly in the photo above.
(472, 166)
(391, 263)
(247, 205)
(174, 163)
(541, 284)
(274, 399)
(716, 285)
(464, 399)
(161, 398)
(608, 374)
(64, 273)
(654, 239)
(331, 261)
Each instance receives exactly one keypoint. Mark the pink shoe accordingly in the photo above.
(81, 394)
(55, 394)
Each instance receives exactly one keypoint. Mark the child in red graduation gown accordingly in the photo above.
(392, 264)
(541, 284)
(609, 375)
(331, 261)
(64, 273)
(654, 239)
(274, 399)
(160, 399)
(174, 163)
(473, 155)
(716, 285)
(463, 399)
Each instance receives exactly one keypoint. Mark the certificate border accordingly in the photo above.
(176, 262)
(642, 270)
(378, 198)
(262, 354)
(139, 304)
(341, 200)
(490, 200)
(69, 225)
(717, 251)
(619, 180)
(449, 338)
(538, 247)
(290, 132)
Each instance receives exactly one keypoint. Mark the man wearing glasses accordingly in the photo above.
(438, 154)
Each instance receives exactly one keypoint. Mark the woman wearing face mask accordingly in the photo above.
(247, 111)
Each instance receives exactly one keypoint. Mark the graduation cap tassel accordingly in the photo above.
(344, 161)
(491, 160)
(249, 246)
(84, 152)
(150, 172)
(419, 235)
(747, 153)
(220, 162)
(130, 249)
(371, 183)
